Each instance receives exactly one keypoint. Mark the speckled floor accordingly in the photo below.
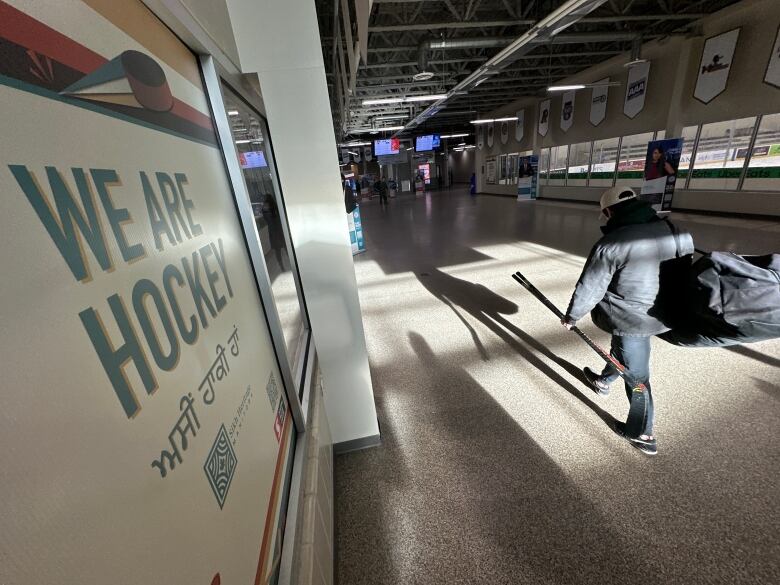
(498, 465)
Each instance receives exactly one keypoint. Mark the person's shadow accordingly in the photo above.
(489, 308)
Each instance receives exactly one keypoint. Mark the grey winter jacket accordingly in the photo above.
(620, 281)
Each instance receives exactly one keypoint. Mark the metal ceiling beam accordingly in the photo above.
(530, 21)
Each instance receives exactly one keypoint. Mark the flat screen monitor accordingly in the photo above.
(427, 142)
(387, 146)
(252, 159)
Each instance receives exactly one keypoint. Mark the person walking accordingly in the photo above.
(381, 186)
(626, 286)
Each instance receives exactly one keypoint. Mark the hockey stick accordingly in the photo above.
(637, 412)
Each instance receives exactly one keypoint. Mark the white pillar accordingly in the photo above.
(280, 41)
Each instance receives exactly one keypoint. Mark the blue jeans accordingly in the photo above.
(634, 354)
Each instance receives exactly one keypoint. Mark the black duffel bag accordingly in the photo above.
(730, 300)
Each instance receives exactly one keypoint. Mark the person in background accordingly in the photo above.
(620, 287)
(381, 187)
(473, 184)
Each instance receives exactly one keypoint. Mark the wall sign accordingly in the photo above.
(715, 66)
(490, 130)
(527, 177)
(772, 76)
(480, 137)
(141, 366)
(598, 102)
(520, 125)
(567, 110)
(544, 117)
(490, 170)
(504, 132)
(636, 89)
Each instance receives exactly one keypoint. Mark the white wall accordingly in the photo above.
(280, 42)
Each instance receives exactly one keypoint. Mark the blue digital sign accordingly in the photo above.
(427, 142)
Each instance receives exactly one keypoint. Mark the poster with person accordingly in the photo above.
(661, 164)
(527, 177)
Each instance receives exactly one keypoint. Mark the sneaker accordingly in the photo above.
(596, 382)
(648, 446)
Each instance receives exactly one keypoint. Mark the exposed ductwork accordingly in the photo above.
(425, 47)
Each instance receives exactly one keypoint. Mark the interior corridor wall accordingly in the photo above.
(280, 42)
(669, 104)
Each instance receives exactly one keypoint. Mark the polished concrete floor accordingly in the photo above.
(497, 464)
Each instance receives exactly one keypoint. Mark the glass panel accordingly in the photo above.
(544, 164)
(689, 137)
(631, 162)
(721, 154)
(764, 169)
(602, 171)
(248, 129)
(502, 169)
(558, 165)
(579, 161)
(660, 135)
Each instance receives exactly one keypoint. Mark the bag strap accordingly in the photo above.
(676, 234)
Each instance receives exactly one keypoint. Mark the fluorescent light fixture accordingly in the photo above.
(470, 146)
(385, 128)
(383, 101)
(566, 87)
(462, 144)
(410, 148)
(355, 143)
(243, 141)
(396, 117)
(399, 100)
(483, 121)
(463, 135)
(507, 119)
(232, 112)
(374, 132)
(353, 153)
(426, 98)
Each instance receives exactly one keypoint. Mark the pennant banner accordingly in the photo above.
(520, 125)
(598, 102)
(544, 117)
(567, 110)
(636, 89)
(715, 66)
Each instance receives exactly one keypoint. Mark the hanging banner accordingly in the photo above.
(490, 129)
(146, 435)
(715, 66)
(544, 117)
(356, 155)
(661, 164)
(490, 170)
(368, 153)
(480, 137)
(345, 156)
(598, 102)
(772, 75)
(636, 89)
(520, 125)
(504, 132)
(527, 177)
(567, 110)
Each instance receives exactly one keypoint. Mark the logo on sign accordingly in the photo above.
(636, 89)
(599, 99)
(220, 466)
(715, 65)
